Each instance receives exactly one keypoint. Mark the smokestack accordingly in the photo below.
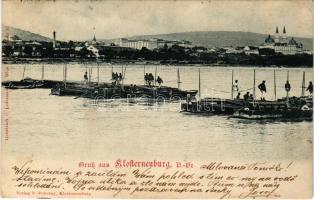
(54, 39)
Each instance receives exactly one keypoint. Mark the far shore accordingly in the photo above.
(9, 60)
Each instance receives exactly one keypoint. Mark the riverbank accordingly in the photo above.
(16, 60)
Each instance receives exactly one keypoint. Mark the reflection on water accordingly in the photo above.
(66, 128)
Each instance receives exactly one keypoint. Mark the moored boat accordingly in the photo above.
(212, 106)
(111, 91)
(298, 109)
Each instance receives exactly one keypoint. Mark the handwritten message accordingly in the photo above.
(129, 178)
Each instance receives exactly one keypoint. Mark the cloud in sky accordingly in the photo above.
(112, 19)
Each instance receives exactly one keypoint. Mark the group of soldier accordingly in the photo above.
(262, 87)
(149, 78)
(117, 78)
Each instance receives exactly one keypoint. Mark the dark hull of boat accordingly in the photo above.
(212, 106)
(298, 108)
(15, 87)
(25, 85)
(96, 90)
(283, 114)
(293, 108)
(31, 84)
(109, 92)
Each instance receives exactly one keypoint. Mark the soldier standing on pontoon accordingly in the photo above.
(120, 77)
(85, 77)
(235, 87)
(159, 81)
(146, 77)
(262, 88)
(150, 79)
(287, 88)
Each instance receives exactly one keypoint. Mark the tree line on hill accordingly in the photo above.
(174, 54)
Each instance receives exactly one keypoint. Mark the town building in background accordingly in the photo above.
(276, 50)
(281, 44)
(137, 44)
(151, 44)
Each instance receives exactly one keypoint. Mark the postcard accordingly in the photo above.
(157, 99)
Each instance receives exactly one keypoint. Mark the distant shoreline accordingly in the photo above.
(9, 60)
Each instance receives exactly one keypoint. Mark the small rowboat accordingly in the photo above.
(275, 110)
(26, 85)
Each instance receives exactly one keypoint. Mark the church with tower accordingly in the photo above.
(281, 44)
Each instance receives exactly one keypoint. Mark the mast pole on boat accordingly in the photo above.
(303, 85)
(42, 72)
(91, 73)
(144, 75)
(232, 85)
(178, 77)
(23, 72)
(111, 72)
(65, 75)
(199, 83)
(123, 76)
(88, 75)
(123, 73)
(287, 90)
(287, 97)
(121, 81)
(88, 81)
(97, 73)
(155, 75)
(275, 87)
(254, 96)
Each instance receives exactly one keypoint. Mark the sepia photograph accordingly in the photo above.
(157, 99)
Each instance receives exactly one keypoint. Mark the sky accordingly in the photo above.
(76, 19)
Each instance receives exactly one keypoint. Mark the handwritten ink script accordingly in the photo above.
(125, 178)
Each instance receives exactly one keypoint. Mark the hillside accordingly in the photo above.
(200, 38)
(220, 38)
(24, 35)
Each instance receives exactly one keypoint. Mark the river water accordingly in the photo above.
(41, 125)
